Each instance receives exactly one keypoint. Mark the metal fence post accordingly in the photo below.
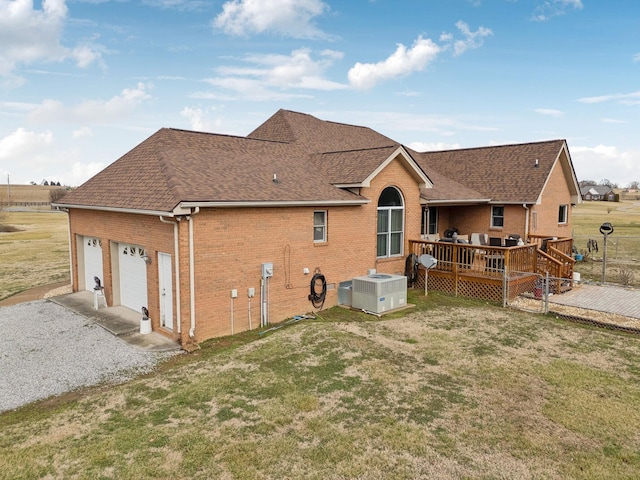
(546, 293)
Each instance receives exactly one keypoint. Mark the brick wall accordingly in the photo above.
(230, 245)
(555, 193)
(144, 230)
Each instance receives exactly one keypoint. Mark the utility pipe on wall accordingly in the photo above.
(192, 288)
(176, 257)
(526, 223)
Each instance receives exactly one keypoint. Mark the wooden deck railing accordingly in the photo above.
(490, 261)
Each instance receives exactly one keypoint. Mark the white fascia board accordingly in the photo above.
(288, 203)
(469, 201)
(114, 209)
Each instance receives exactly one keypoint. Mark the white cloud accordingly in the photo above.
(636, 57)
(606, 162)
(423, 52)
(471, 39)
(401, 63)
(20, 144)
(622, 98)
(400, 125)
(548, 9)
(433, 146)
(199, 119)
(268, 75)
(550, 112)
(92, 111)
(28, 36)
(612, 120)
(82, 132)
(291, 18)
(25, 151)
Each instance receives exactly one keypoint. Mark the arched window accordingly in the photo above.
(390, 223)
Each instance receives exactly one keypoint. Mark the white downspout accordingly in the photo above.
(526, 223)
(192, 289)
(176, 257)
(70, 246)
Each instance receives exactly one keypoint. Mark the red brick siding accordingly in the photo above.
(144, 230)
(555, 194)
(230, 246)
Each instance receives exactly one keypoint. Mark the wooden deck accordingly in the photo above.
(496, 273)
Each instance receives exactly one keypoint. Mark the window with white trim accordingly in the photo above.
(497, 216)
(563, 211)
(320, 226)
(390, 239)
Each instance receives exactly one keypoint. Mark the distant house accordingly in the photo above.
(214, 233)
(597, 193)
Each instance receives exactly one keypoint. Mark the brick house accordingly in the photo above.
(598, 193)
(215, 234)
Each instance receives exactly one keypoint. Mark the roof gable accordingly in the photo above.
(506, 173)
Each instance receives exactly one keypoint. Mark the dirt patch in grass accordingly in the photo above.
(9, 229)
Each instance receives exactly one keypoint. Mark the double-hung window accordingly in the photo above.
(390, 223)
(497, 216)
(320, 226)
(562, 213)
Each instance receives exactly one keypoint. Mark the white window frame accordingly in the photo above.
(563, 214)
(320, 227)
(389, 234)
(494, 216)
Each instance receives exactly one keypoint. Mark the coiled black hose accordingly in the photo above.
(317, 298)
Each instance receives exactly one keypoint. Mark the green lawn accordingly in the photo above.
(451, 389)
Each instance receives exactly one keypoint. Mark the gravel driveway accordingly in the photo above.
(47, 350)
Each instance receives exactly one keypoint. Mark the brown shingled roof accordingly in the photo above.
(319, 136)
(174, 166)
(353, 166)
(308, 156)
(505, 173)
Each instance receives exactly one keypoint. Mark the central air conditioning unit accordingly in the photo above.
(379, 293)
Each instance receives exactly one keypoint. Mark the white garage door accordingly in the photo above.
(133, 277)
(92, 248)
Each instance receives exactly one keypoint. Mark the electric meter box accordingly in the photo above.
(267, 270)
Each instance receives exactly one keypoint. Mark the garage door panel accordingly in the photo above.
(133, 276)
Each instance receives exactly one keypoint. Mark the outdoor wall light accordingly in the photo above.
(147, 259)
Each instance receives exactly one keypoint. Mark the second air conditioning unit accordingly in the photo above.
(379, 293)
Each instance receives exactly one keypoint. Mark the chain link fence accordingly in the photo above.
(622, 264)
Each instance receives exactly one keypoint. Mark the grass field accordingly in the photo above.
(623, 245)
(36, 254)
(453, 389)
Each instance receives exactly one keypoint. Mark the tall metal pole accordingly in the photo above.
(606, 229)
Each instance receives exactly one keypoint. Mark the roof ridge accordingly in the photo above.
(166, 167)
(361, 149)
(484, 147)
(228, 135)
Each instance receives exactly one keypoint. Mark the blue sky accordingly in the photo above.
(84, 81)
